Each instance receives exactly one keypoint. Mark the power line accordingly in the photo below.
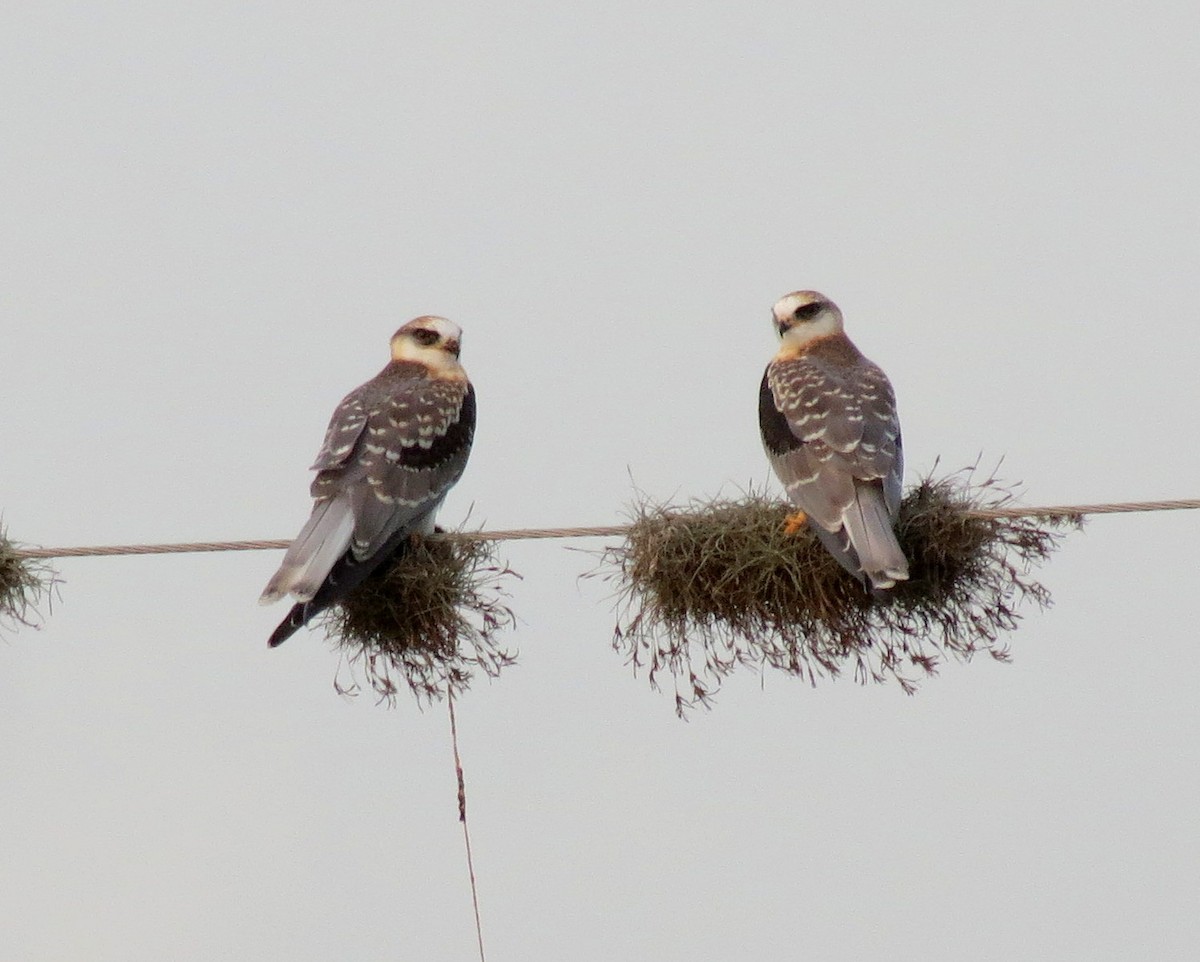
(602, 531)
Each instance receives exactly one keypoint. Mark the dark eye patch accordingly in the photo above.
(423, 335)
(806, 312)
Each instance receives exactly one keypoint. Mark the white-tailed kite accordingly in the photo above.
(829, 425)
(394, 448)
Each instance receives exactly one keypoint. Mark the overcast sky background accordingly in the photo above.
(214, 217)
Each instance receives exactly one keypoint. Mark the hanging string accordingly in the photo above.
(603, 531)
(462, 817)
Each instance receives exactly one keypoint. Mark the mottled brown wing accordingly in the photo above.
(412, 437)
(827, 426)
(880, 452)
(347, 423)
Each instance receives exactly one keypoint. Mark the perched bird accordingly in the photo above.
(394, 448)
(830, 429)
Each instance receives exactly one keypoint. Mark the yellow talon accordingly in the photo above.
(794, 522)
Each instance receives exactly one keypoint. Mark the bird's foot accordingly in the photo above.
(794, 522)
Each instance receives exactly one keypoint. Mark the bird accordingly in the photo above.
(393, 449)
(832, 435)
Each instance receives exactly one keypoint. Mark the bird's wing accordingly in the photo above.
(879, 452)
(345, 426)
(412, 449)
(393, 449)
(827, 427)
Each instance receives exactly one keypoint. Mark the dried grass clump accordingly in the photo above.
(24, 583)
(427, 621)
(719, 584)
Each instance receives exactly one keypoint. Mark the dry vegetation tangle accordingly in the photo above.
(428, 621)
(716, 584)
(24, 584)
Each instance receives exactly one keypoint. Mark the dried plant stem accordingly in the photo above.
(462, 817)
(25, 583)
(713, 585)
(427, 621)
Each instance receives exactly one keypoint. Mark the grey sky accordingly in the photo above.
(215, 215)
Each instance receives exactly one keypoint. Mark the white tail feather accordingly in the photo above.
(870, 529)
(317, 548)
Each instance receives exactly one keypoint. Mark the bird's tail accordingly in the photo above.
(346, 575)
(869, 527)
(317, 548)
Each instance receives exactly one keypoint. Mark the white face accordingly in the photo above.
(430, 340)
(804, 316)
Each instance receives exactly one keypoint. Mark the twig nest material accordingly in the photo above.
(712, 585)
(24, 584)
(428, 620)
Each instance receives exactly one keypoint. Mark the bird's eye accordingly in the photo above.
(806, 312)
(423, 335)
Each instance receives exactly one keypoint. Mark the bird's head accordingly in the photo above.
(432, 341)
(804, 316)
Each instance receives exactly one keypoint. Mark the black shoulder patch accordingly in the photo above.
(450, 445)
(776, 435)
